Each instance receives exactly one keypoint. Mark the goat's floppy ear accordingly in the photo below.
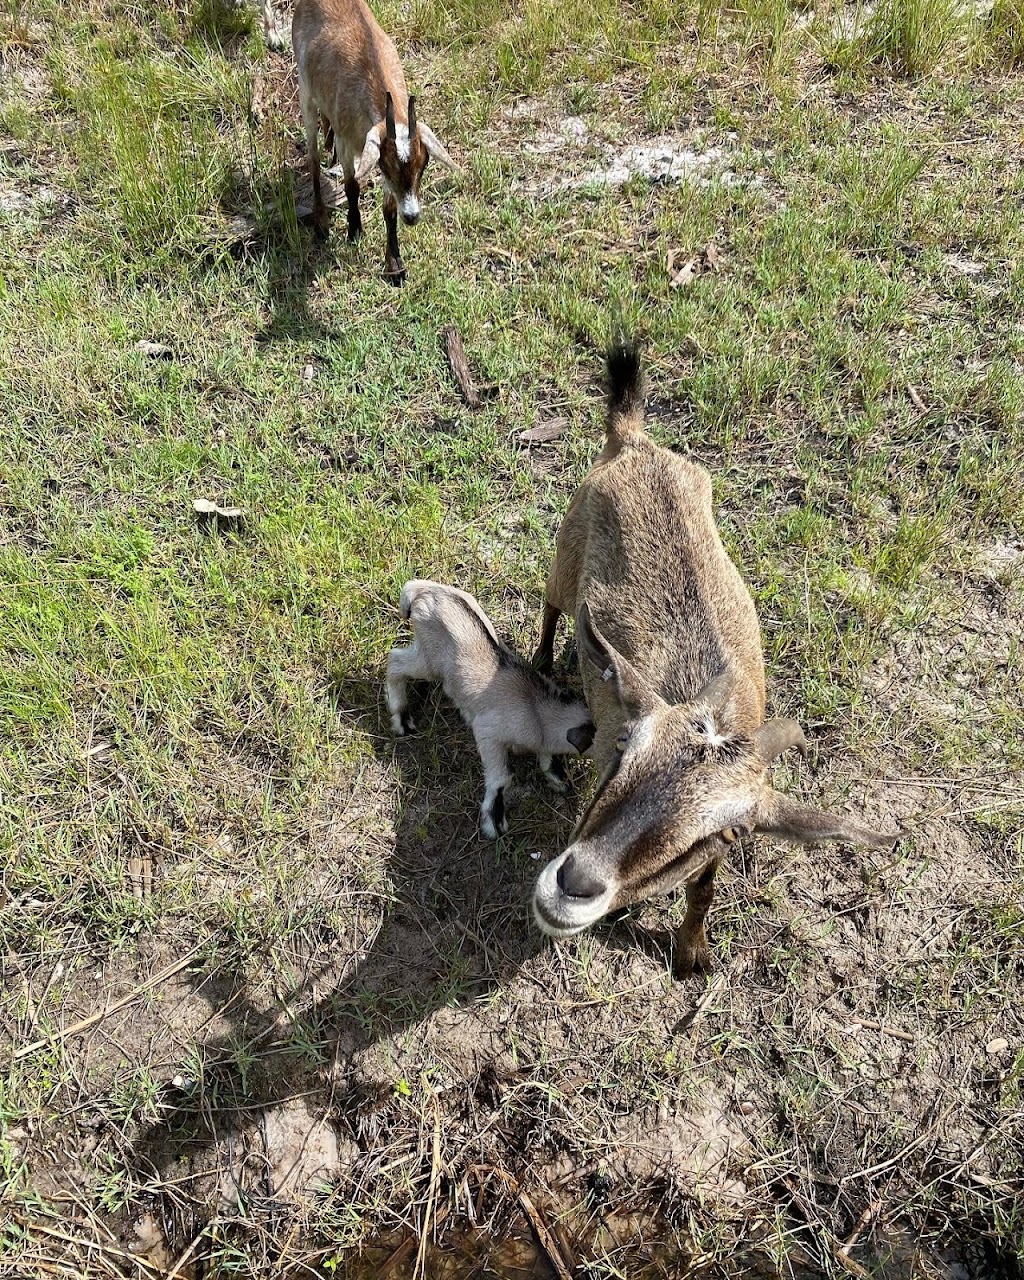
(778, 815)
(581, 737)
(435, 149)
(776, 736)
(634, 694)
(371, 153)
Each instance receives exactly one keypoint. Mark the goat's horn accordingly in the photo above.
(716, 691)
(389, 116)
(777, 736)
(412, 116)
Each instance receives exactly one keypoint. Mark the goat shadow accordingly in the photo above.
(458, 927)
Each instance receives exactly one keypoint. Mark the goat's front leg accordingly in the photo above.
(394, 267)
(553, 769)
(355, 222)
(404, 665)
(544, 658)
(692, 952)
(494, 758)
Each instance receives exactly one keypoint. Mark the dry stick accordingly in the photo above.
(865, 1220)
(188, 1252)
(871, 1025)
(541, 1229)
(93, 1018)
(814, 1220)
(456, 354)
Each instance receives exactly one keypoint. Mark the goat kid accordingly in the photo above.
(671, 659)
(507, 704)
(351, 79)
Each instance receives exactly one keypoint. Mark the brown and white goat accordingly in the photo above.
(670, 654)
(351, 78)
(508, 705)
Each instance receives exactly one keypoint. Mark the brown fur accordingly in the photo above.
(670, 653)
(350, 76)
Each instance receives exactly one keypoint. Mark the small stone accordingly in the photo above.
(536, 855)
(746, 1107)
(308, 373)
(998, 1045)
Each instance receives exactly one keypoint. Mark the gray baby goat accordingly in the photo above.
(507, 704)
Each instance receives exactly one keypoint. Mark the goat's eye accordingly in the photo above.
(621, 741)
(730, 835)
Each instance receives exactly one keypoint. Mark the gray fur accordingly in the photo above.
(508, 705)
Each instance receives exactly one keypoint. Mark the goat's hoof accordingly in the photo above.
(320, 231)
(395, 273)
(402, 723)
(355, 236)
(556, 782)
(276, 42)
(691, 960)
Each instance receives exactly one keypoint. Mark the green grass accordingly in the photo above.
(192, 753)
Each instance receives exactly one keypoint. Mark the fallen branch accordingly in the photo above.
(77, 1027)
(456, 354)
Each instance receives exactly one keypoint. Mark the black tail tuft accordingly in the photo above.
(625, 385)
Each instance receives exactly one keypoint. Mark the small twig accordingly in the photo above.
(863, 1222)
(85, 1023)
(540, 1228)
(814, 1220)
(456, 354)
(187, 1254)
(871, 1025)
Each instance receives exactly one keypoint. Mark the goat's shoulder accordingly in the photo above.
(533, 683)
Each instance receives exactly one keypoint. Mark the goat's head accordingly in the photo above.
(401, 152)
(678, 791)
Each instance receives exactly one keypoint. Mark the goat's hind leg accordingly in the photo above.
(311, 120)
(544, 658)
(494, 758)
(404, 665)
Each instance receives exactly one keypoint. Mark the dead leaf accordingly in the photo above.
(996, 1046)
(915, 398)
(685, 275)
(712, 255)
(154, 350)
(209, 512)
(543, 433)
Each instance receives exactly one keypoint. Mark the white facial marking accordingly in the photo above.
(710, 730)
(402, 141)
(410, 207)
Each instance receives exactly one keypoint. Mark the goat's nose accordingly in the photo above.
(412, 218)
(575, 882)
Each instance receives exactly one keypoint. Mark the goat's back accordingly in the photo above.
(350, 62)
(642, 539)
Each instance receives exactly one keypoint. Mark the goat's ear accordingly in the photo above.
(778, 815)
(435, 149)
(389, 117)
(634, 694)
(581, 737)
(776, 736)
(371, 153)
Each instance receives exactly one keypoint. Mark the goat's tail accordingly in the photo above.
(410, 592)
(625, 423)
